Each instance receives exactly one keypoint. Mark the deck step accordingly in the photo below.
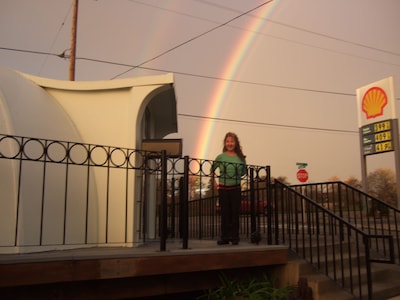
(386, 281)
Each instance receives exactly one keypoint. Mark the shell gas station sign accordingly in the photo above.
(376, 114)
(378, 124)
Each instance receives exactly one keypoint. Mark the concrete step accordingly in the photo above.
(325, 288)
(386, 281)
(322, 286)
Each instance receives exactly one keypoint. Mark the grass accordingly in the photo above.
(259, 288)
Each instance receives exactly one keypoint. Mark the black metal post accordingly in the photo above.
(368, 265)
(164, 203)
(253, 225)
(269, 205)
(173, 207)
(185, 204)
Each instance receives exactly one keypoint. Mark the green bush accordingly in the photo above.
(261, 288)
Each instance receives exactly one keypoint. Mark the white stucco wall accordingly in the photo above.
(101, 112)
(106, 112)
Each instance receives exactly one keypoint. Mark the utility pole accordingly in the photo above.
(73, 41)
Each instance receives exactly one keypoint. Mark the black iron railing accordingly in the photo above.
(66, 193)
(367, 213)
(335, 246)
(192, 209)
(69, 193)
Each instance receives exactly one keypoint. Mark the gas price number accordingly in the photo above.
(382, 126)
(383, 136)
(383, 147)
(377, 137)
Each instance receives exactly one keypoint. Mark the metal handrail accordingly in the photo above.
(368, 213)
(61, 175)
(330, 243)
(298, 215)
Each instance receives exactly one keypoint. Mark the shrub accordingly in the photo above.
(262, 288)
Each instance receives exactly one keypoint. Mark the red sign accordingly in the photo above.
(302, 175)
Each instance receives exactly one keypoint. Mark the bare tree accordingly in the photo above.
(334, 178)
(382, 185)
(354, 182)
(283, 179)
(194, 184)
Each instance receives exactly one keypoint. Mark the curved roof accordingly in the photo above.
(102, 84)
(28, 110)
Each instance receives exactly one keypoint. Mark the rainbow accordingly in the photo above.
(230, 69)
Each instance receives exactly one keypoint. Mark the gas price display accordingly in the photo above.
(377, 137)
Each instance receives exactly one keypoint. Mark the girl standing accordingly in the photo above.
(232, 166)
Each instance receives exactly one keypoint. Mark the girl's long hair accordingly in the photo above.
(238, 148)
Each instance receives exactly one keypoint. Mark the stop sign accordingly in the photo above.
(302, 175)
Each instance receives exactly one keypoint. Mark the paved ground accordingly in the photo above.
(149, 249)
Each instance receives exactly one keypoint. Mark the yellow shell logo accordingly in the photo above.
(374, 101)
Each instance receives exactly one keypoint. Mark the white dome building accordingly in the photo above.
(50, 132)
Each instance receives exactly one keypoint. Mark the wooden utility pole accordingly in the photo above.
(73, 41)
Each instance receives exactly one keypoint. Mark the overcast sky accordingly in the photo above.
(281, 74)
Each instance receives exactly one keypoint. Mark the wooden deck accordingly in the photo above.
(128, 273)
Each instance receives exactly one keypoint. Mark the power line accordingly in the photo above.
(57, 35)
(237, 27)
(221, 78)
(188, 74)
(303, 29)
(215, 78)
(30, 51)
(196, 37)
(62, 55)
(277, 37)
(268, 124)
(131, 67)
(140, 66)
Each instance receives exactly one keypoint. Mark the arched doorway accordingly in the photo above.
(157, 118)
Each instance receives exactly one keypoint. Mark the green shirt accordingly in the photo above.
(231, 168)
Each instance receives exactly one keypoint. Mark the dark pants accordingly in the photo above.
(229, 200)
